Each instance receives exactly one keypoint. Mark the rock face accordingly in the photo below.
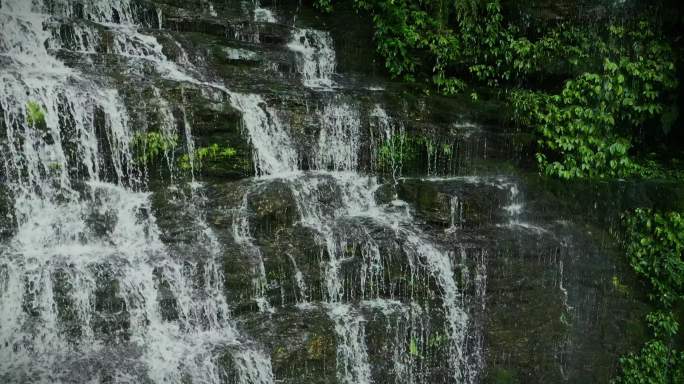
(231, 192)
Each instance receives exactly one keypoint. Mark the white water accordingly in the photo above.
(337, 150)
(263, 15)
(352, 356)
(80, 210)
(388, 140)
(315, 57)
(53, 210)
(243, 237)
(339, 138)
(515, 207)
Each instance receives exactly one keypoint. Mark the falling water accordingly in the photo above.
(85, 229)
(340, 137)
(263, 15)
(337, 160)
(315, 57)
(86, 284)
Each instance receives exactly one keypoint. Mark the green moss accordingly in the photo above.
(280, 353)
(619, 286)
(503, 376)
(413, 349)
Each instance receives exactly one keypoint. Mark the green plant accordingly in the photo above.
(402, 149)
(616, 77)
(324, 5)
(413, 348)
(655, 249)
(35, 115)
(392, 153)
(445, 41)
(586, 130)
(437, 340)
(662, 323)
(214, 152)
(149, 146)
(654, 244)
(619, 286)
(656, 363)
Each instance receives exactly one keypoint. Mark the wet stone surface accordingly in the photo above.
(356, 232)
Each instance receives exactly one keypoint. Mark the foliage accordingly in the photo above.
(655, 247)
(415, 37)
(445, 41)
(214, 152)
(324, 5)
(662, 323)
(586, 130)
(35, 115)
(413, 348)
(150, 146)
(618, 77)
(394, 151)
(656, 363)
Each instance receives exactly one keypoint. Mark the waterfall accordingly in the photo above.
(337, 163)
(87, 286)
(263, 15)
(340, 137)
(86, 281)
(315, 57)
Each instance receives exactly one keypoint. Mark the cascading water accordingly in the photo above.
(337, 164)
(263, 15)
(87, 288)
(315, 57)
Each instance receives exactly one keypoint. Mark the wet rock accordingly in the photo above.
(406, 341)
(273, 208)
(302, 344)
(67, 308)
(293, 265)
(7, 220)
(464, 203)
(110, 319)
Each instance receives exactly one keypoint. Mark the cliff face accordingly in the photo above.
(230, 192)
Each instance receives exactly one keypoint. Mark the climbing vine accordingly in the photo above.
(586, 130)
(654, 245)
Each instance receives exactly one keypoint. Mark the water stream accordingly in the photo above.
(93, 291)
